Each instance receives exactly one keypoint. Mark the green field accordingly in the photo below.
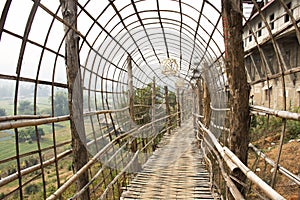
(8, 104)
(7, 141)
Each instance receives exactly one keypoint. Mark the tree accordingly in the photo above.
(172, 99)
(142, 98)
(2, 112)
(61, 103)
(29, 133)
(25, 108)
(237, 80)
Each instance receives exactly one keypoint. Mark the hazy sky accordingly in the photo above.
(17, 19)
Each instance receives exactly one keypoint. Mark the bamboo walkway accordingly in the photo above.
(176, 170)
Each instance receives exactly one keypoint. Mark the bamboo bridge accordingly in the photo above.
(149, 99)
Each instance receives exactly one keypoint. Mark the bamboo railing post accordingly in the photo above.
(75, 96)
(133, 146)
(206, 106)
(153, 106)
(168, 123)
(178, 108)
(200, 97)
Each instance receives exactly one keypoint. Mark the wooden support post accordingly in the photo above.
(206, 106)
(75, 96)
(178, 108)
(183, 113)
(153, 106)
(130, 88)
(168, 112)
(200, 97)
(134, 145)
(237, 80)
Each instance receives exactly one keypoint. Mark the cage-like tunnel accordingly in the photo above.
(89, 88)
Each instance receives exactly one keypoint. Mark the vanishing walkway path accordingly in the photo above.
(176, 170)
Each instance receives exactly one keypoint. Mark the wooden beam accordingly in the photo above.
(75, 95)
(237, 80)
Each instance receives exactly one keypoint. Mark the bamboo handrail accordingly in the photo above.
(281, 169)
(219, 109)
(122, 172)
(253, 177)
(250, 175)
(197, 115)
(73, 178)
(232, 187)
(21, 117)
(36, 122)
(278, 113)
(98, 112)
(28, 170)
(20, 124)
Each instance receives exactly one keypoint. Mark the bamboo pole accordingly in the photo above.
(95, 159)
(281, 169)
(36, 122)
(278, 113)
(22, 117)
(33, 168)
(232, 187)
(121, 173)
(48, 120)
(268, 190)
(153, 102)
(168, 112)
(84, 169)
(218, 146)
(238, 163)
(178, 108)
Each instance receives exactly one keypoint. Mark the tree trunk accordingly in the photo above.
(178, 108)
(237, 80)
(206, 106)
(168, 112)
(75, 96)
(130, 88)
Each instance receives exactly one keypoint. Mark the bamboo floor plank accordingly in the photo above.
(176, 170)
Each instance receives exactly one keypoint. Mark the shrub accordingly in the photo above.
(293, 129)
(32, 189)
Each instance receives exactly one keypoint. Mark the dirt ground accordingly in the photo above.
(290, 159)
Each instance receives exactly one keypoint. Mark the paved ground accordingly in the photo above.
(176, 170)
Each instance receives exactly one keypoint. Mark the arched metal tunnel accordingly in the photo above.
(98, 83)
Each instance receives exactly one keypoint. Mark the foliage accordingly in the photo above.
(2, 112)
(259, 126)
(25, 108)
(29, 134)
(293, 129)
(61, 103)
(143, 98)
(172, 99)
(32, 188)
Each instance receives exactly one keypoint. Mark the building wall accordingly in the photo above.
(289, 49)
(274, 7)
(259, 92)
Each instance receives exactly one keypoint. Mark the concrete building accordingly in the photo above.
(267, 55)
